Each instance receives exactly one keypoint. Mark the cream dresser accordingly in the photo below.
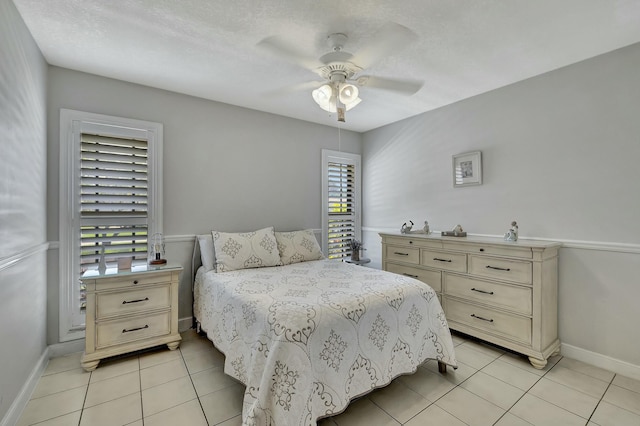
(130, 310)
(500, 291)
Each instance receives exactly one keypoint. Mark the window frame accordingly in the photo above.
(72, 125)
(330, 156)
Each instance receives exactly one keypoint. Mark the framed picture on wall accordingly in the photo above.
(467, 169)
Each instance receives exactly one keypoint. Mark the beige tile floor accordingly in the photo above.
(187, 387)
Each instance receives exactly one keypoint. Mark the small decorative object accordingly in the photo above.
(124, 264)
(426, 228)
(156, 250)
(467, 169)
(406, 228)
(457, 232)
(512, 234)
(102, 264)
(355, 247)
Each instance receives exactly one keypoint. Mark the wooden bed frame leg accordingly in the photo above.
(442, 367)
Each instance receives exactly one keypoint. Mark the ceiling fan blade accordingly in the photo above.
(408, 87)
(300, 87)
(279, 48)
(390, 39)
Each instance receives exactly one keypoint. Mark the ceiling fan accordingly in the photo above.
(342, 71)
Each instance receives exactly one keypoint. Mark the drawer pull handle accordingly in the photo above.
(400, 254)
(480, 318)
(481, 291)
(135, 282)
(481, 249)
(409, 275)
(442, 260)
(124, 330)
(124, 302)
(498, 269)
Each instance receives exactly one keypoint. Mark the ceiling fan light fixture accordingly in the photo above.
(348, 93)
(327, 97)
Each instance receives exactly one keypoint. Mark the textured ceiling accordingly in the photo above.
(209, 48)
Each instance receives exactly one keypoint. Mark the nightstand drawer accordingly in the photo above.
(115, 332)
(512, 297)
(432, 278)
(134, 281)
(444, 260)
(133, 301)
(403, 254)
(510, 270)
(499, 323)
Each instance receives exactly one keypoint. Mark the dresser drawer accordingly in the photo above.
(432, 278)
(133, 281)
(444, 260)
(110, 304)
(413, 241)
(403, 254)
(115, 332)
(510, 297)
(492, 250)
(498, 323)
(517, 271)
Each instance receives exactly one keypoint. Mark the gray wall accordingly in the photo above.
(561, 155)
(22, 205)
(225, 167)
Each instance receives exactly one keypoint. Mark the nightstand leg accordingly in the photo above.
(538, 363)
(173, 345)
(90, 365)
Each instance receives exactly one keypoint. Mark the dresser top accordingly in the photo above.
(473, 239)
(135, 269)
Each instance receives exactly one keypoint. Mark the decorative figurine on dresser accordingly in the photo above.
(512, 234)
(492, 289)
(130, 309)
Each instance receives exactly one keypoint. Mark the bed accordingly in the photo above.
(307, 337)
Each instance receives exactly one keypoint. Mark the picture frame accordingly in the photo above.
(467, 169)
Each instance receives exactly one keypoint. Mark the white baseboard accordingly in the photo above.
(185, 324)
(21, 400)
(603, 361)
(66, 348)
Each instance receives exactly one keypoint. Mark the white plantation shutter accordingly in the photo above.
(341, 202)
(113, 198)
(110, 200)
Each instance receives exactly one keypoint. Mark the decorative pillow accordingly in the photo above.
(207, 255)
(298, 246)
(245, 250)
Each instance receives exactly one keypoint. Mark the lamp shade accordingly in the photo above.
(348, 93)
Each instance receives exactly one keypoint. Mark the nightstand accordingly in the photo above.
(130, 310)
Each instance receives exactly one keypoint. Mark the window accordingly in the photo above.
(110, 200)
(340, 202)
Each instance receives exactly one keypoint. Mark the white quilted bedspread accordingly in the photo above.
(307, 338)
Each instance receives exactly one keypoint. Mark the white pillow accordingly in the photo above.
(298, 246)
(207, 255)
(243, 250)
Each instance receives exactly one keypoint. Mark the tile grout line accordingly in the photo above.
(601, 398)
(140, 381)
(194, 388)
(86, 394)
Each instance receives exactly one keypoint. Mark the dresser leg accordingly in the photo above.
(442, 367)
(173, 345)
(538, 363)
(90, 365)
